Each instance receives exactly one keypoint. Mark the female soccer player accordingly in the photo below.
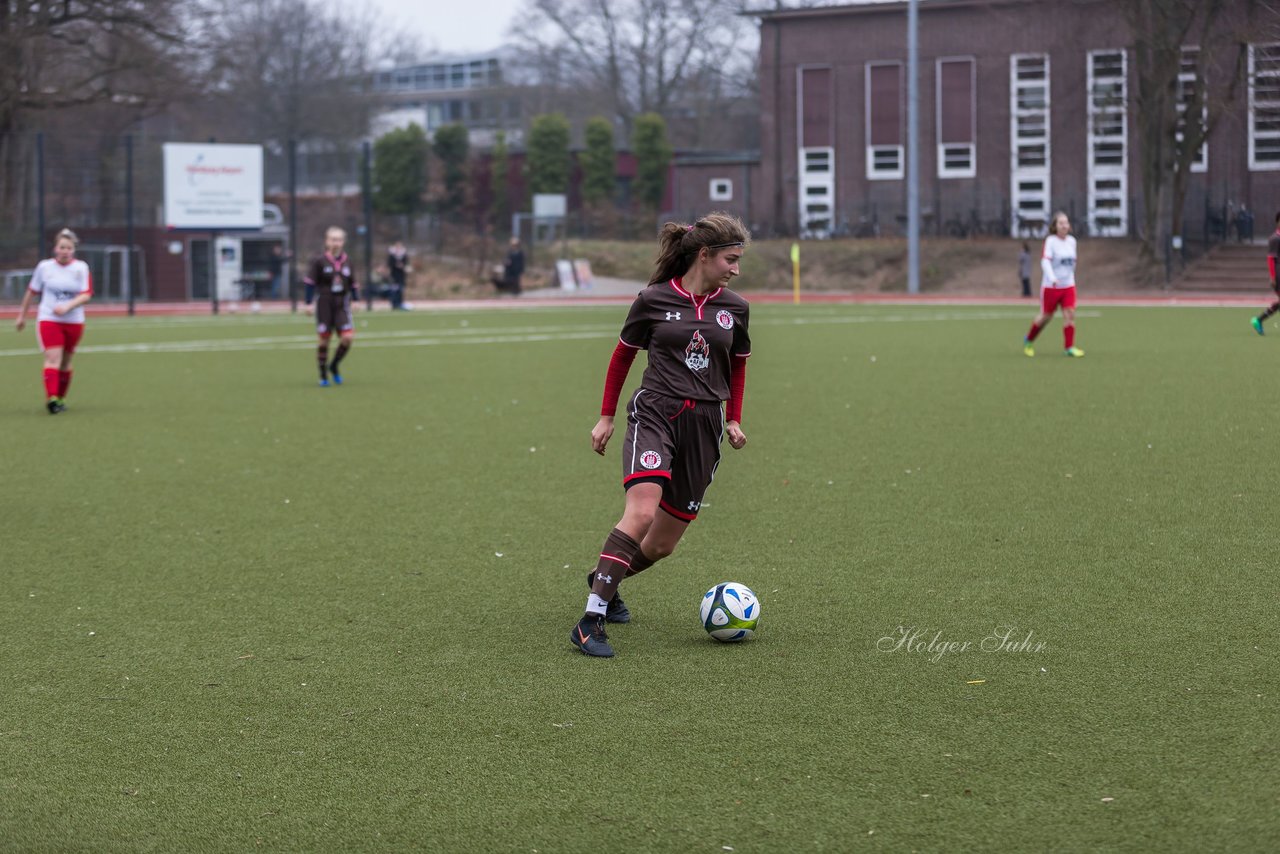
(332, 283)
(1057, 286)
(64, 285)
(695, 330)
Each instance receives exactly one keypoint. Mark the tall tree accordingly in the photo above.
(638, 56)
(653, 159)
(1174, 115)
(451, 147)
(599, 162)
(499, 186)
(400, 173)
(70, 54)
(294, 69)
(547, 157)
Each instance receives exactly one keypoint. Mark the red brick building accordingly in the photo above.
(1025, 107)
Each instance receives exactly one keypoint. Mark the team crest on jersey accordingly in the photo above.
(650, 459)
(697, 356)
(725, 319)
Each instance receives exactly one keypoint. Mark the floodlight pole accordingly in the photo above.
(913, 148)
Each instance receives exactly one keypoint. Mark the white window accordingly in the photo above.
(721, 190)
(1264, 106)
(1029, 143)
(956, 117)
(1187, 76)
(815, 130)
(884, 121)
(1108, 143)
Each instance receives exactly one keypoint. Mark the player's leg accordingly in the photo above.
(1260, 319)
(1069, 324)
(71, 335)
(345, 337)
(324, 331)
(1047, 304)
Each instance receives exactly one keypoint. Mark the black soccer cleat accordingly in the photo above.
(52, 405)
(590, 637)
(617, 611)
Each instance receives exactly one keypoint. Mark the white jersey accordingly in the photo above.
(1058, 263)
(59, 283)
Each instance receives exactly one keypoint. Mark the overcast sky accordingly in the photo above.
(452, 26)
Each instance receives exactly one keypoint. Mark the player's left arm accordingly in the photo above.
(737, 381)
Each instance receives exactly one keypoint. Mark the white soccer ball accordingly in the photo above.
(730, 612)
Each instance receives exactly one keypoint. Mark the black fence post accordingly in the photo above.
(128, 219)
(291, 257)
(40, 195)
(367, 152)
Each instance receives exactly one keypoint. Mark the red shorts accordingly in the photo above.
(54, 335)
(1051, 298)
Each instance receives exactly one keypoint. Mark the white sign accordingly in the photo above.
(549, 205)
(209, 186)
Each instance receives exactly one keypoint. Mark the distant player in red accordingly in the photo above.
(1057, 286)
(63, 285)
(1273, 257)
(330, 280)
(695, 330)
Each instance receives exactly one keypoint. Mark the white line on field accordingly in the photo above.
(501, 335)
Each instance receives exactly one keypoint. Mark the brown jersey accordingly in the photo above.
(689, 338)
(333, 278)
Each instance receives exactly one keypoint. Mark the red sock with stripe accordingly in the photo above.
(64, 383)
(1035, 330)
(50, 382)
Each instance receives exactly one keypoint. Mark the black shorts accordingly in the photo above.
(676, 442)
(333, 313)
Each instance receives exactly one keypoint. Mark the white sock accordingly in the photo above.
(596, 605)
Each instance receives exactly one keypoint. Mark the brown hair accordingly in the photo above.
(679, 244)
(1053, 221)
(67, 234)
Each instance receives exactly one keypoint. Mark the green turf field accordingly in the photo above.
(244, 613)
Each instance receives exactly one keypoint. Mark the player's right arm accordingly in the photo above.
(1046, 264)
(36, 286)
(635, 328)
(309, 281)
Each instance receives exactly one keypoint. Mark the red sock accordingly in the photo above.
(1035, 330)
(64, 383)
(1069, 336)
(50, 382)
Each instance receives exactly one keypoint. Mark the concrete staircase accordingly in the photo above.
(1228, 268)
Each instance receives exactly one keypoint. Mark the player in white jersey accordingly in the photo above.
(63, 285)
(1057, 286)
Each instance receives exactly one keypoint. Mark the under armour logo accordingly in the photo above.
(673, 315)
(607, 579)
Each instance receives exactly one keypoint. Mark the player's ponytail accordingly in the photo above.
(679, 244)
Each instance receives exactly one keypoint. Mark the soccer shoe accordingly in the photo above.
(337, 377)
(324, 382)
(1257, 326)
(617, 611)
(1027, 348)
(1073, 352)
(62, 403)
(52, 405)
(590, 637)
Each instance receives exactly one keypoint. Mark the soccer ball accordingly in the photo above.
(730, 612)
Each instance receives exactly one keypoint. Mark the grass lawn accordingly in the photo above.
(242, 612)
